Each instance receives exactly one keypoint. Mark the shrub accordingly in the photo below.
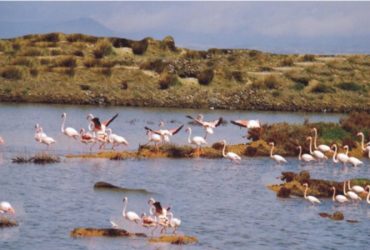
(169, 43)
(69, 62)
(79, 53)
(196, 54)
(157, 65)
(55, 52)
(103, 48)
(308, 58)
(45, 61)
(266, 68)
(34, 72)
(105, 71)
(255, 53)
(23, 61)
(124, 85)
(322, 88)
(205, 77)
(84, 87)
(81, 38)
(120, 42)
(16, 46)
(90, 62)
(349, 86)
(272, 82)
(139, 47)
(356, 122)
(51, 37)
(107, 63)
(287, 62)
(12, 73)
(68, 71)
(32, 52)
(237, 76)
(3, 46)
(167, 80)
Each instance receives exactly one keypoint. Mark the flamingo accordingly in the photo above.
(165, 133)
(323, 148)
(230, 155)
(364, 149)
(41, 137)
(304, 157)
(278, 158)
(339, 157)
(247, 123)
(38, 132)
(351, 194)
(148, 221)
(356, 188)
(130, 215)
(69, 131)
(196, 140)
(339, 198)
(353, 160)
(368, 194)
(96, 126)
(173, 222)
(153, 137)
(310, 198)
(87, 138)
(1, 140)
(159, 213)
(5, 207)
(116, 140)
(208, 126)
(316, 153)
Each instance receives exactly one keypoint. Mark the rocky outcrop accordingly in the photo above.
(174, 239)
(103, 232)
(5, 222)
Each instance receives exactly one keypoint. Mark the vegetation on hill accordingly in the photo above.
(83, 69)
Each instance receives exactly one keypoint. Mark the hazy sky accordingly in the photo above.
(208, 24)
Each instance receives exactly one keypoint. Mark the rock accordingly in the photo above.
(352, 221)
(4, 222)
(283, 192)
(337, 216)
(174, 239)
(103, 232)
(108, 186)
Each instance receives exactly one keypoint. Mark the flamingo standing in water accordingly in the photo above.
(339, 198)
(310, 198)
(5, 207)
(153, 137)
(343, 158)
(350, 194)
(96, 125)
(368, 194)
(41, 137)
(304, 157)
(316, 153)
(130, 215)
(352, 160)
(356, 188)
(116, 140)
(172, 223)
(208, 126)
(165, 133)
(364, 149)
(230, 155)
(159, 213)
(38, 132)
(87, 138)
(278, 158)
(323, 148)
(196, 140)
(68, 131)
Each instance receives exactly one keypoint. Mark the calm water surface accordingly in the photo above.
(224, 205)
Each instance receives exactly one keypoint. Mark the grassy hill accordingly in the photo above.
(83, 69)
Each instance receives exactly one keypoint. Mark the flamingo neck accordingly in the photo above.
(344, 188)
(63, 122)
(311, 146)
(300, 154)
(349, 185)
(334, 194)
(124, 209)
(189, 140)
(368, 197)
(347, 150)
(315, 140)
(223, 150)
(272, 149)
(335, 160)
(362, 141)
(305, 192)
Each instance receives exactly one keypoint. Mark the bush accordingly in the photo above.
(103, 48)
(105, 71)
(124, 85)
(349, 86)
(169, 43)
(308, 58)
(34, 72)
(16, 46)
(3, 46)
(84, 87)
(272, 82)
(157, 65)
(167, 80)
(79, 53)
(23, 61)
(12, 73)
(69, 62)
(68, 71)
(322, 88)
(120, 42)
(205, 77)
(45, 61)
(287, 62)
(196, 54)
(356, 122)
(55, 52)
(237, 76)
(106, 63)
(91, 62)
(139, 47)
(81, 38)
(32, 52)
(51, 37)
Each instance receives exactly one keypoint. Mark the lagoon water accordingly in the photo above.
(224, 205)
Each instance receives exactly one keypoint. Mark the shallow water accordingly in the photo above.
(224, 205)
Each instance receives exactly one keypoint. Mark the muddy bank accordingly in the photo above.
(103, 232)
(5, 222)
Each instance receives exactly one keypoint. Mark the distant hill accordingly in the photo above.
(81, 25)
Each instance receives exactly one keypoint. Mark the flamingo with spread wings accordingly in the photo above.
(208, 126)
(165, 133)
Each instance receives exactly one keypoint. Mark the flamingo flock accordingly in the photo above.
(158, 217)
